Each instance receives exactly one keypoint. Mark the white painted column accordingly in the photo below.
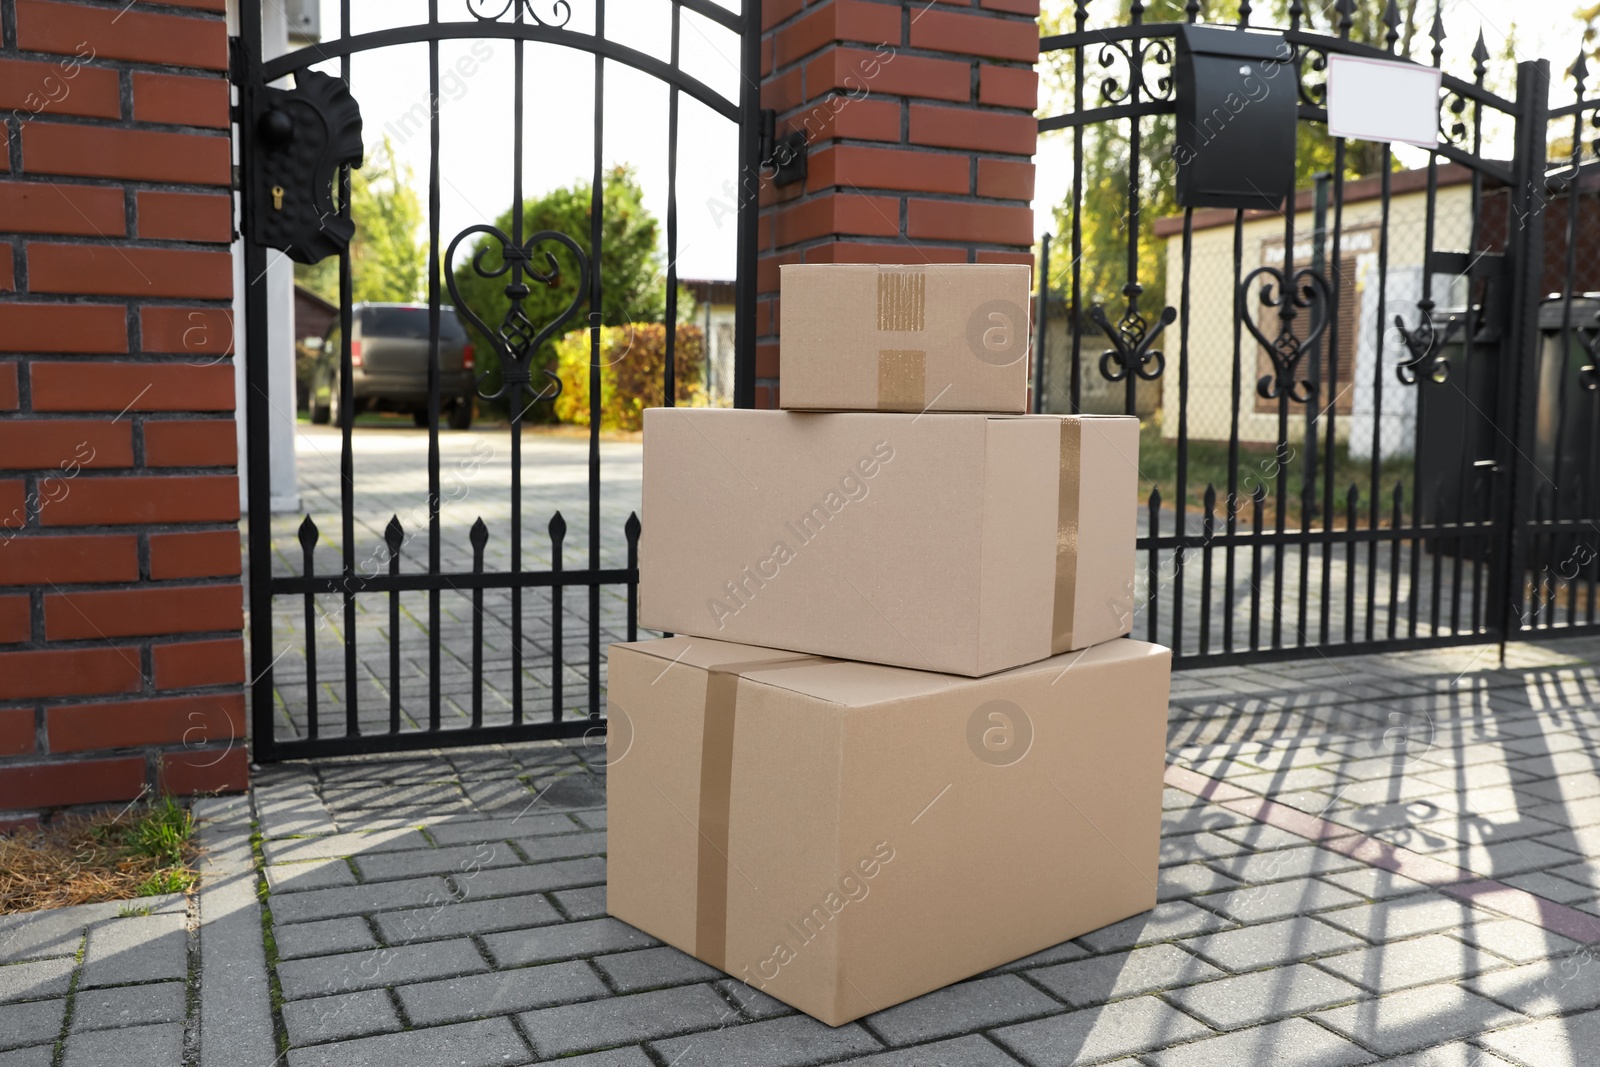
(279, 281)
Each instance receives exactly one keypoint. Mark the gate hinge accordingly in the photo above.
(783, 159)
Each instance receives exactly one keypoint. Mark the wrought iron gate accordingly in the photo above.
(297, 148)
(1375, 417)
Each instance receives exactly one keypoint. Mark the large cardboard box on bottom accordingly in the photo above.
(930, 337)
(958, 543)
(845, 836)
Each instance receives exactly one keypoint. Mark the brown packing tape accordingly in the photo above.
(716, 800)
(902, 299)
(902, 379)
(1067, 535)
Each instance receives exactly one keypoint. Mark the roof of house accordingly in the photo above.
(1401, 183)
(302, 293)
(710, 290)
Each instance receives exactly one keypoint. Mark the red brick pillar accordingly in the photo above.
(920, 125)
(121, 658)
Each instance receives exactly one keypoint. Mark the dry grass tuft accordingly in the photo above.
(140, 851)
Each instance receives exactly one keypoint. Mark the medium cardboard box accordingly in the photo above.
(845, 836)
(958, 543)
(938, 337)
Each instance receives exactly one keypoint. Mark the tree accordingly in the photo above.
(633, 289)
(388, 262)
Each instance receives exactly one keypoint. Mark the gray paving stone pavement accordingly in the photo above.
(963, 1007)
(1265, 948)
(398, 911)
(1263, 996)
(1116, 975)
(136, 1005)
(519, 989)
(788, 1042)
(625, 1019)
(1568, 1042)
(1297, 1041)
(160, 1045)
(341, 1016)
(481, 1043)
(1413, 1019)
(236, 1024)
(30, 1023)
(1121, 1028)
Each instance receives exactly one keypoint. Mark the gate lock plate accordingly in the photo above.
(300, 138)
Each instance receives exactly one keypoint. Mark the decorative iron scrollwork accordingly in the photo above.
(560, 9)
(517, 339)
(1423, 344)
(1307, 290)
(1312, 93)
(1589, 375)
(1453, 126)
(300, 139)
(1133, 339)
(1118, 85)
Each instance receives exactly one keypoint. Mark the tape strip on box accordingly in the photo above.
(716, 801)
(1067, 536)
(902, 379)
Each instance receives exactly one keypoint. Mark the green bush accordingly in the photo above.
(633, 358)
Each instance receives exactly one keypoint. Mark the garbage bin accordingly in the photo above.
(1456, 442)
(1563, 423)
(1458, 439)
(1564, 432)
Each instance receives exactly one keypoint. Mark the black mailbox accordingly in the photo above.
(1237, 105)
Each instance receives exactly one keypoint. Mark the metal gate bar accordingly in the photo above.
(515, 341)
(1381, 579)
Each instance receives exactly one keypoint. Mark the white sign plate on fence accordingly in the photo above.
(1383, 100)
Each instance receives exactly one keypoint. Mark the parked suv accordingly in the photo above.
(389, 365)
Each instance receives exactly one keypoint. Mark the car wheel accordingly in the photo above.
(319, 408)
(461, 414)
(335, 405)
(420, 419)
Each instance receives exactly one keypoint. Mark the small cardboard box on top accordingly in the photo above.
(960, 543)
(936, 337)
(846, 836)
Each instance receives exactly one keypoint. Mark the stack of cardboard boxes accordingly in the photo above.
(894, 744)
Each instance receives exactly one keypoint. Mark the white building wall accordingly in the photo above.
(279, 281)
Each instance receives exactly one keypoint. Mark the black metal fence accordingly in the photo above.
(295, 142)
(1371, 418)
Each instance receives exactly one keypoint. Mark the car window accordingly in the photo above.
(408, 323)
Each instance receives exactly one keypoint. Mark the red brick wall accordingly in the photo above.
(919, 117)
(121, 659)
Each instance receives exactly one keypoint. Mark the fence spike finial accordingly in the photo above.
(308, 534)
(393, 535)
(1480, 57)
(1346, 9)
(1579, 72)
(1438, 33)
(1391, 19)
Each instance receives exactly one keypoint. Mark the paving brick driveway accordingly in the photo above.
(1387, 859)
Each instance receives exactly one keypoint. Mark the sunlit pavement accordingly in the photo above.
(1378, 859)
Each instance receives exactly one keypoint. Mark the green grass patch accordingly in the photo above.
(1257, 469)
(142, 850)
